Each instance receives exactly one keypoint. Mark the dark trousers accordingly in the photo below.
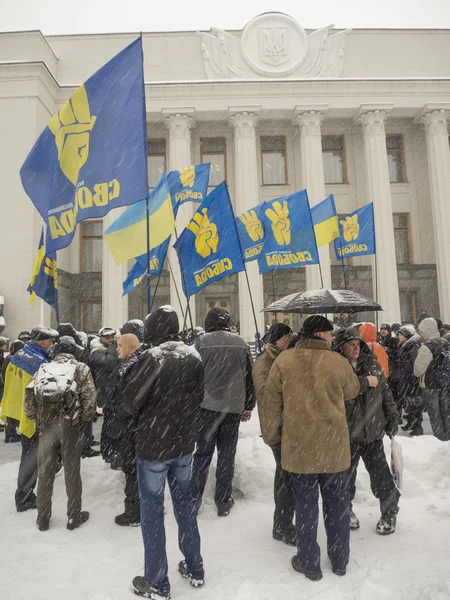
(221, 430)
(26, 480)
(381, 481)
(86, 435)
(283, 495)
(132, 504)
(438, 408)
(336, 514)
(11, 428)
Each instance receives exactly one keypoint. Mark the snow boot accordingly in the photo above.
(127, 520)
(386, 525)
(78, 520)
(89, 453)
(28, 504)
(354, 521)
(416, 431)
(312, 575)
(288, 537)
(339, 572)
(183, 569)
(43, 524)
(223, 510)
(13, 439)
(141, 587)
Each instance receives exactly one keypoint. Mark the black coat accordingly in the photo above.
(406, 385)
(164, 391)
(104, 364)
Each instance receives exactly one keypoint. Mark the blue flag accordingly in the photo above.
(189, 184)
(139, 270)
(208, 249)
(251, 232)
(92, 156)
(44, 279)
(289, 234)
(357, 234)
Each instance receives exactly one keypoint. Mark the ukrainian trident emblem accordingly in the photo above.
(273, 45)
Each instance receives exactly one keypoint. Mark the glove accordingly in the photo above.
(391, 428)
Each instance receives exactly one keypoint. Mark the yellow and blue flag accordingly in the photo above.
(139, 269)
(92, 156)
(325, 221)
(44, 278)
(357, 234)
(208, 249)
(289, 239)
(189, 184)
(251, 232)
(126, 238)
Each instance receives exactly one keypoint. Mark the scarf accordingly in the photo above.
(126, 364)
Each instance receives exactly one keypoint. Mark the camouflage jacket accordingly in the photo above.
(78, 409)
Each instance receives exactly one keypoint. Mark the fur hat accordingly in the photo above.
(316, 324)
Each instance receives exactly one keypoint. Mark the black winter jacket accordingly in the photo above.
(104, 364)
(406, 385)
(164, 391)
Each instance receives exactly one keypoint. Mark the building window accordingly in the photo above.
(333, 152)
(156, 161)
(90, 316)
(91, 247)
(408, 306)
(213, 150)
(396, 161)
(217, 303)
(273, 155)
(402, 238)
(159, 301)
(271, 318)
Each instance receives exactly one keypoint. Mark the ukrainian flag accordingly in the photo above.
(325, 221)
(44, 278)
(126, 238)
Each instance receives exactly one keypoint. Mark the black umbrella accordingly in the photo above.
(323, 301)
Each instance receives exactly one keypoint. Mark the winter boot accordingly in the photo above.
(223, 510)
(43, 524)
(127, 520)
(12, 439)
(416, 431)
(339, 572)
(141, 587)
(386, 525)
(312, 575)
(288, 537)
(28, 504)
(354, 521)
(89, 453)
(78, 520)
(183, 569)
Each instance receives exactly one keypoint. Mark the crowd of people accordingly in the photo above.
(326, 397)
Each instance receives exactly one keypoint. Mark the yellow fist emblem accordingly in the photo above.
(252, 225)
(72, 127)
(351, 228)
(281, 225)
(187, 176)
(206, 238)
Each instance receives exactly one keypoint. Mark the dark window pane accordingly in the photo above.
(395, 166)
(92, 228)
(273, 144)
(394, 142)
(212, 145)
(274, 172)
(333, 166)
(400, 221)
(402, 247)
(333, 142)
(407, 307)
(91, 255)
(91, 316)
(157, 147)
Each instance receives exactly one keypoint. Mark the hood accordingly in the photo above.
(135, 326)
(415, 339)
(346, 335)
(15, 346)
(368, 332)
(408, 331)
(161, 325)
(428, 329)
(218, 319)
(67, 329)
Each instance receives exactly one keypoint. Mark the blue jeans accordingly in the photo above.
(336, 514)
(152, 481)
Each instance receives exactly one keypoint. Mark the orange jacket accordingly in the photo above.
(368, 332)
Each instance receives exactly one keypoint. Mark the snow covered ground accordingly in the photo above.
(242, 561)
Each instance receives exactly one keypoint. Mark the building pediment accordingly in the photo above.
(273, 45)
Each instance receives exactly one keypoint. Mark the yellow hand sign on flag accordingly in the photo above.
(206, 238)
(71, 127)
(187, 176)
(252, 225)
(351, 228)
(281, 225)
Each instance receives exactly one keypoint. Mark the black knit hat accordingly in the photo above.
(385, 326)
(40, 333)
(315, 324)
(218, 319)
(65, 345)
(276, 332)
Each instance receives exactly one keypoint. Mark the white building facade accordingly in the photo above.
(360, 114)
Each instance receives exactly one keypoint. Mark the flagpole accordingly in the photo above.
(343, 264)
(258, 335)
(149, 299)
(176, 288)
(188, 308)
(156, 288)
(376, 287)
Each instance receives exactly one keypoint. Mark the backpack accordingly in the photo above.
(55, 385)
(438, 372)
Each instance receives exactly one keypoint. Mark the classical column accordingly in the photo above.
(114, 306)
(180, 156)
(246, 193)
(379, 192)
(309, 121)
(436, 129)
